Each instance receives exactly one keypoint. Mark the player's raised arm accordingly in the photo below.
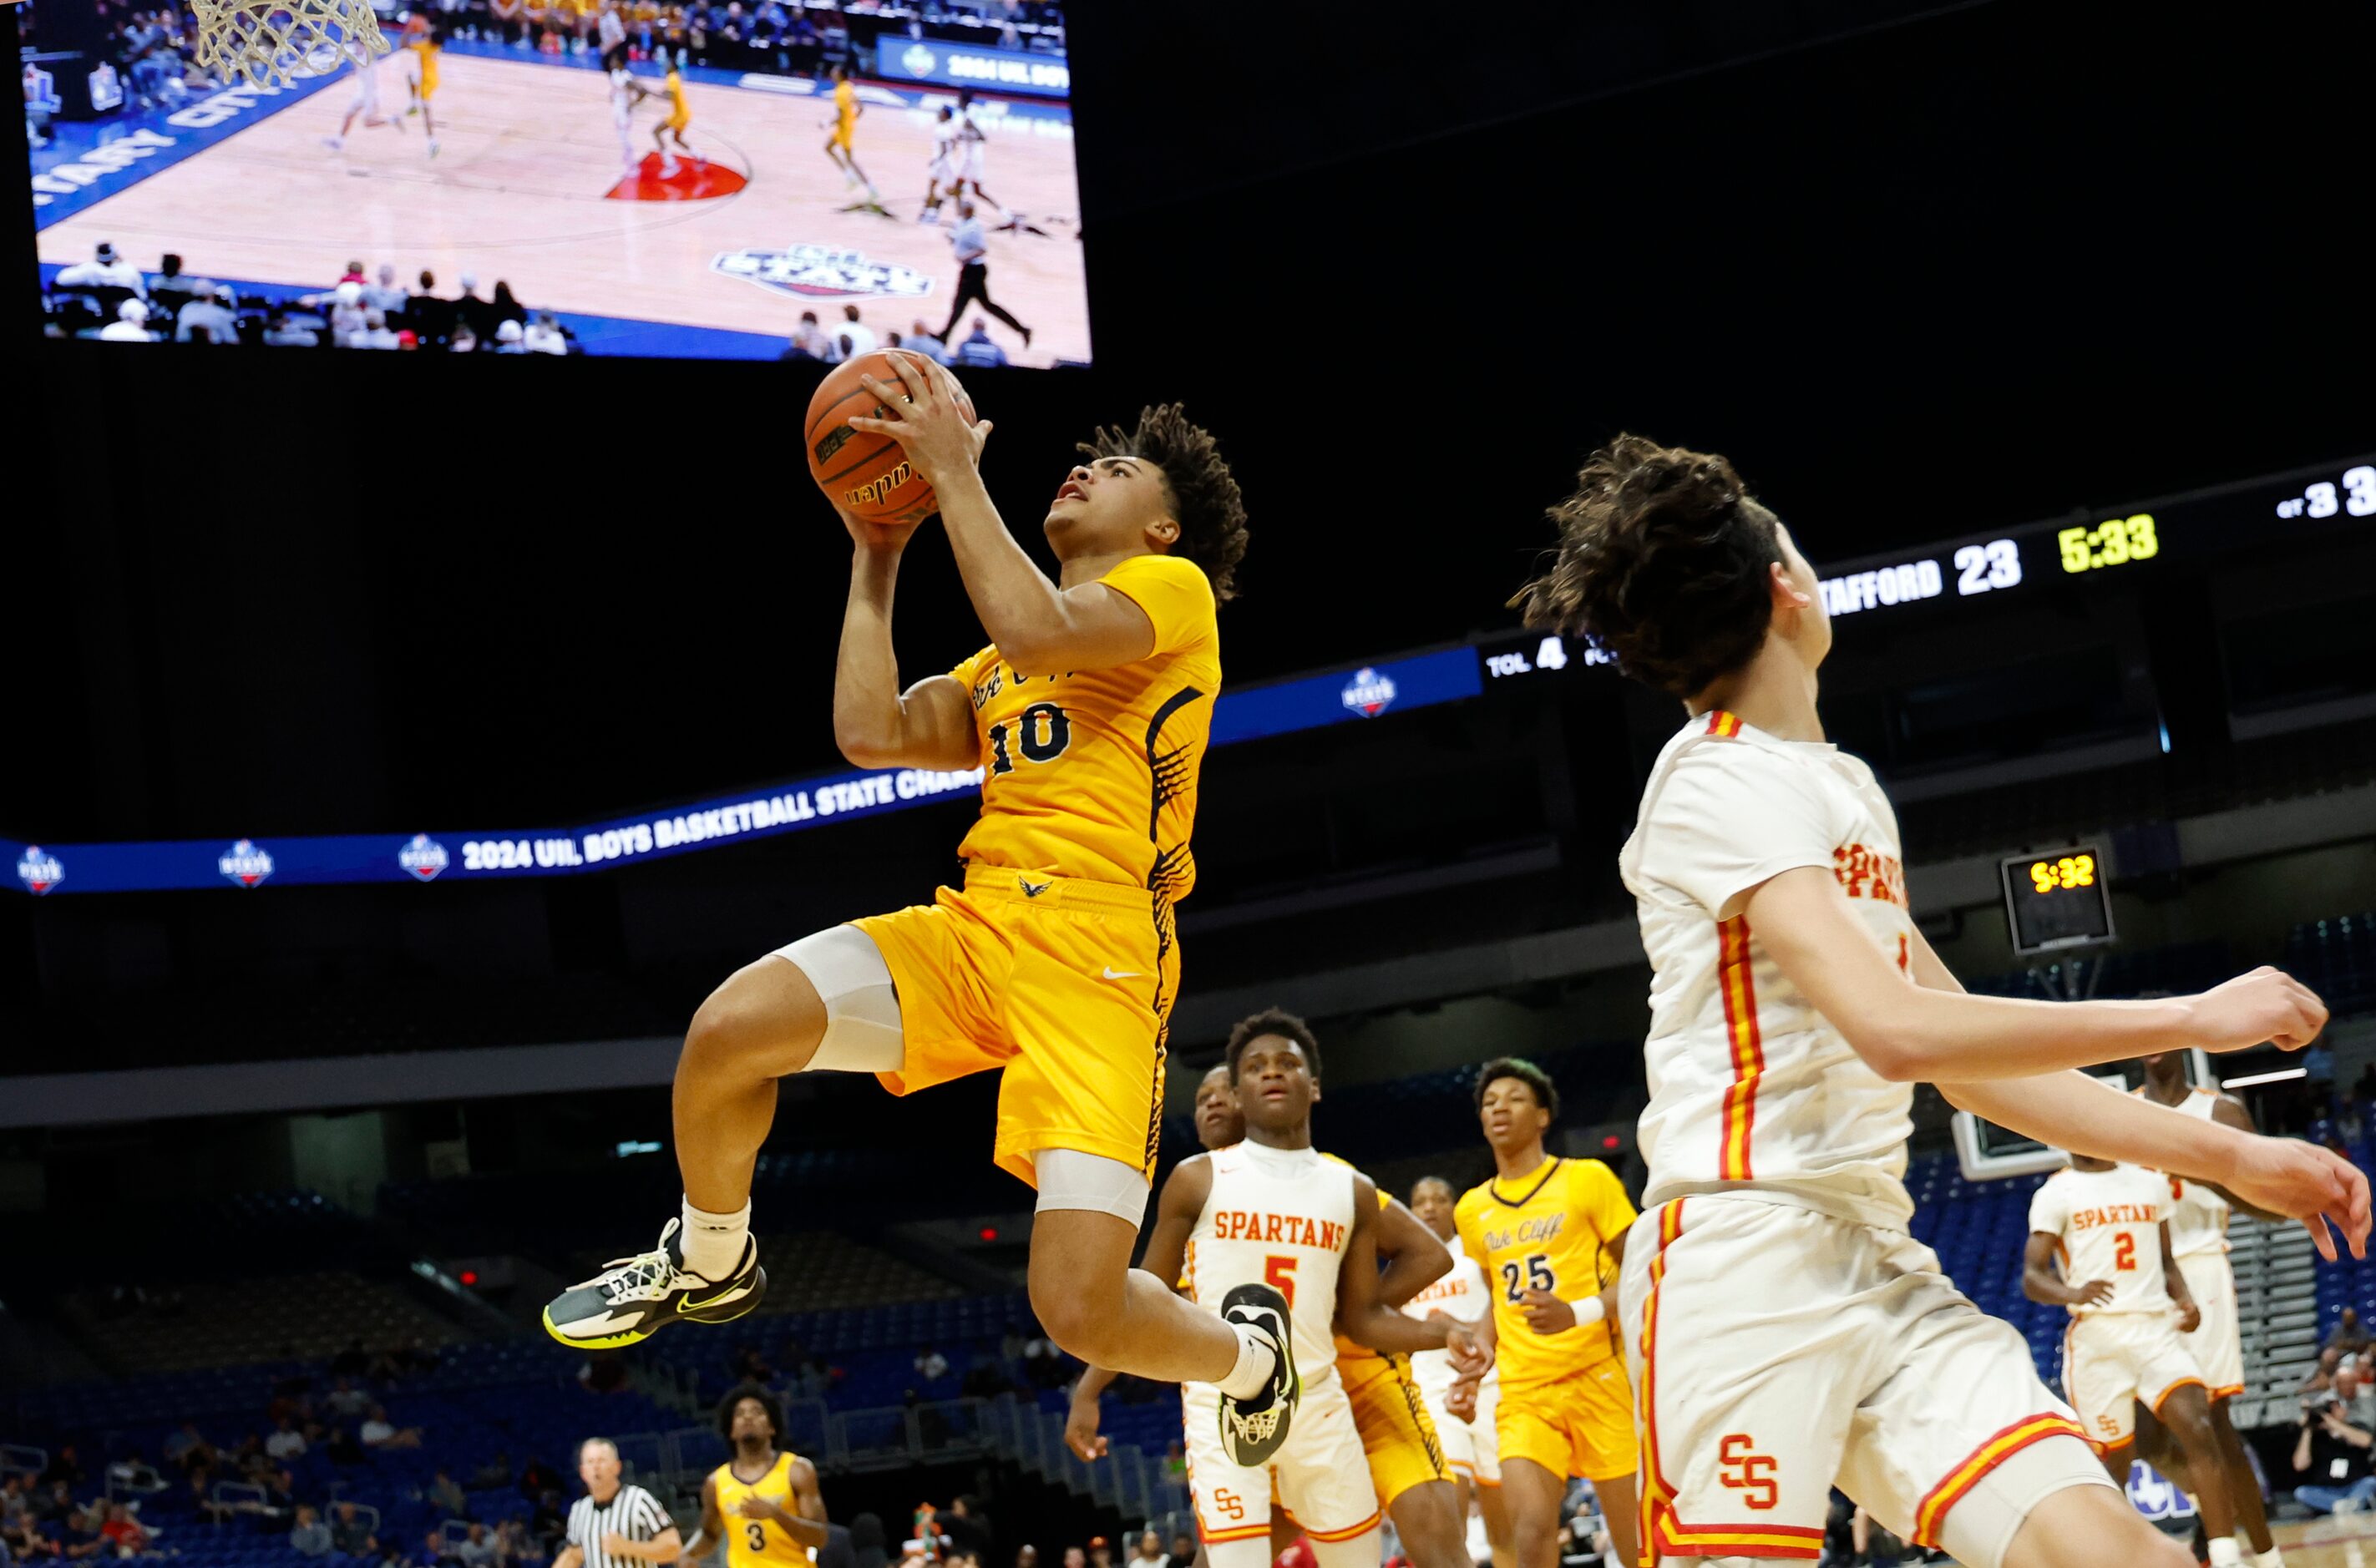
(1176, 1208)
(1040, 629)
(2276, 1177)
(1911, 1033)
(874, 723)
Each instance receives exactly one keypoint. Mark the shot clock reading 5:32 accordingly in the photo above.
(2114, 543)
(2070, 870)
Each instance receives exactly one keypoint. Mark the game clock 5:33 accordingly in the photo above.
(2113, 543)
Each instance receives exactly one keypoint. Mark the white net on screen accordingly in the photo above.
(274, 43)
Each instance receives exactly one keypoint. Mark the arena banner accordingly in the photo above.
(957, 64)
(165, 865)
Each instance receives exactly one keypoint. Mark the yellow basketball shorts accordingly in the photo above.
(1062, 985)
(1578, 1425)
(841, 138)
(1397, 1438)
(678, 122)
(428, 82)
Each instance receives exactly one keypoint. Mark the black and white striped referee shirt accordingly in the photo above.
(632, 1512)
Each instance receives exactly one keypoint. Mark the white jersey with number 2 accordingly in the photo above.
(2108, 1227)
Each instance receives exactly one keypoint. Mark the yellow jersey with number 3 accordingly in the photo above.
(752, 1543)
(1092, 774)
(1549, 1229)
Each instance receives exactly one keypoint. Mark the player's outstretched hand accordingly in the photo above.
(1081, 1434)
(926, 418)
(2266, 1004)
(2314, 1185)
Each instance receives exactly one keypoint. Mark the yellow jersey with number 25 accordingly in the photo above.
(1547, 1230)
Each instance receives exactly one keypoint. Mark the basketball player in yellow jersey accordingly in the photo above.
(1057, 963)
(680, 115)
(763, 1503)
(840, 142)
(1550, 1234)
(1406, 1461)
(422, 40)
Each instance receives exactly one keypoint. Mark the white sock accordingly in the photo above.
(2224, 1553)
(713, 1243)
(2273, 1558)
(1256, 1364)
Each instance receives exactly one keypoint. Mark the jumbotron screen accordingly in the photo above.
(749, 178)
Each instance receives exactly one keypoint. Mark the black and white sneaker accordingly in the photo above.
(1253, 1430)
(634, 1298)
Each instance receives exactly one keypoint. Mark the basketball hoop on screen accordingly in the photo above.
(276, 43)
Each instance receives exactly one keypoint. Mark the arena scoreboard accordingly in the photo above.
(2056, 899)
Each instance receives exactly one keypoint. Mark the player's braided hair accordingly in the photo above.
(735, 1396)
(1662, 561)
(1203, 492)
(1274, 1021)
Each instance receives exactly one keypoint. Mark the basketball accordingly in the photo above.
(867, 476)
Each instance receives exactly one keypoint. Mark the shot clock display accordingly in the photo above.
(2058, 899)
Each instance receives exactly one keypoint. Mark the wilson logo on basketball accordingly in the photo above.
(245, 863)
(1368, 694)
(40, 871)
(876, 491)
(822, 272)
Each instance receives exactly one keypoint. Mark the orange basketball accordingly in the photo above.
(867, 475)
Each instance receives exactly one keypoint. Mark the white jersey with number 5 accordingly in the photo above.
(1461, 1295)
(2108, 1227)
(1751, 1087)
(1281, 1218)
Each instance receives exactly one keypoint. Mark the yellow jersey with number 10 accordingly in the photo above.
(1547, 1230)
(750, 1543)
(1092, 773)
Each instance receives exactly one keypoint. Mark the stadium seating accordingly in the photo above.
(2337, 958)
(238, 1323)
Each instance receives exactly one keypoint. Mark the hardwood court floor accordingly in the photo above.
(517, 192)
(2328, 1543)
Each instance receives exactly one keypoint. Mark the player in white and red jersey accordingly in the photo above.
(1270, 1227)
(1469, 1447)
(1785, 1331)
(2109, 1227)
(2198, 1236)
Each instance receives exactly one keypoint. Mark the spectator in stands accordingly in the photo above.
(476, 1550)
(509, 339)
(432, 318)
(202, 1496)
(473, 312)
(537, 1478)
(1100, 1552)
(378, 1431)
(2349, 1335)
(435, 1553)
(1076, 1557)
(965, 1525)
(77, 1538)
(445, 1493)
(207, 318)
(517, 1548)
(545, 337)
(494, 1474)
(1150, 1552)
(65, 1465)
(350, 1535)
(931, 1365)
(808, 340)
(167, 289)
(377, 334)
(309, 1537)
(286, 1442)
(1027, 1556)
(2338, 1426)
(921, 340)
(852, 337)
(866, 1540)
(122, 1532)
(507, 308)
(188, 1447)
(14, 1502)
(106, 269)
(133, 1473)
(347, 1400)
(385, 295)
(977, 351)
(1175, 1459)
(2322, 1377)
(282, 331)
(130, 326)
(1183, 1550)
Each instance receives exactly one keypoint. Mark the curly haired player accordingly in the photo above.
(1783, 1328)
(1057, 963)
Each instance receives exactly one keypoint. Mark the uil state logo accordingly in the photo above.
(423, 857)
(39, 869)
(918, 60)
(822, 272)
(1368, 694)
(245, 863)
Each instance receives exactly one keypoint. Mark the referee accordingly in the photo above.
(973, 276)
(615, 1524)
